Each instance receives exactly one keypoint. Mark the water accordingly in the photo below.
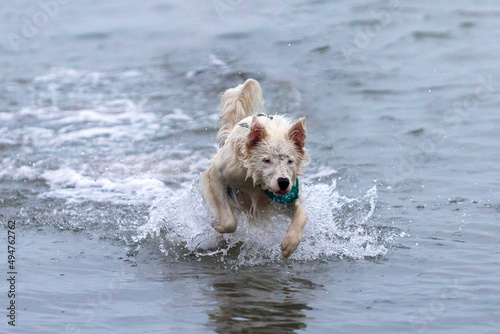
(107, 117)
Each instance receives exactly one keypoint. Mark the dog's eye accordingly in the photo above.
(290, 162)
(266, 161)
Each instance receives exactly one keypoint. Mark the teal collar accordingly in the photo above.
(285, 199)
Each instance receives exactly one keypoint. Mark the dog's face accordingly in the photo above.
(276, 154)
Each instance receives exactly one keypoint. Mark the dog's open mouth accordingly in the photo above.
(281, 192)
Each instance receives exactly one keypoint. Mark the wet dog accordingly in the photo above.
(257, 165)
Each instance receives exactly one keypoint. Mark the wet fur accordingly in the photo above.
(257, 153)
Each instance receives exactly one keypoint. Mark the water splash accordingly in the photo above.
(180, 225)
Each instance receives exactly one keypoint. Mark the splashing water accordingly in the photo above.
(337, 226)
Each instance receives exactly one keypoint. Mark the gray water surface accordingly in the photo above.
(108, 114)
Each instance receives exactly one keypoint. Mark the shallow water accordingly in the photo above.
(108, 114)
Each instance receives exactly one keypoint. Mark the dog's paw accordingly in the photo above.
(290, 243)
(229, 228)
(218, 228)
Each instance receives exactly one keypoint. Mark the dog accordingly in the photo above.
(257, 166)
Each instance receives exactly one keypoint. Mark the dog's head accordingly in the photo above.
(276, 153)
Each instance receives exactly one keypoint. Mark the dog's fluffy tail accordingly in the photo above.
(237, 103)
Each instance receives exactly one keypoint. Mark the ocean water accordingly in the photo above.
(108, 114)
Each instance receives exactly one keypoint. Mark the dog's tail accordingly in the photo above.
(237, 103)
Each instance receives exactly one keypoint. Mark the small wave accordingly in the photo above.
(180, 225)
(95, 136)
(68, 184)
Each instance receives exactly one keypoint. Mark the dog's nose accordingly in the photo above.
(283, 183)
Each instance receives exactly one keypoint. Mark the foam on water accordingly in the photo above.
(180, 224)
(68, 184)
(89, 138)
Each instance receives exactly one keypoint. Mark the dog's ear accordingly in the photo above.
(257, 133)
(298, 133)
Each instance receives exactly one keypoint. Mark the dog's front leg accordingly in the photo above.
(217, 195)
(294, 233)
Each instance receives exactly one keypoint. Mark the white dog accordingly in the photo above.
(258, 163)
